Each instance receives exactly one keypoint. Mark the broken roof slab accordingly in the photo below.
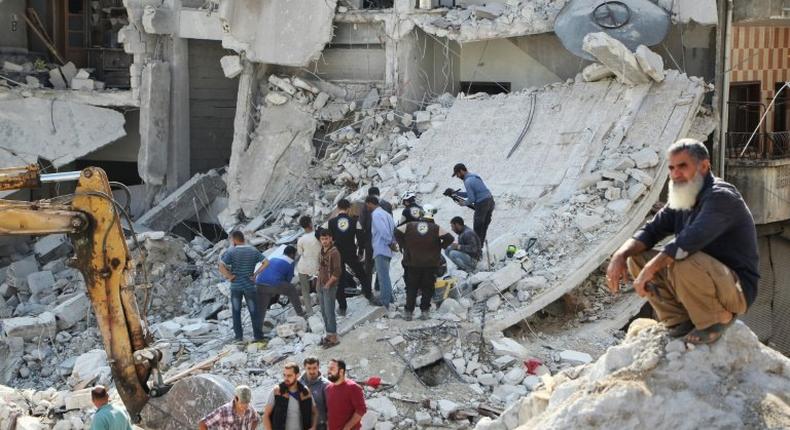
(283, 32)
(56, 130)
(555, 186)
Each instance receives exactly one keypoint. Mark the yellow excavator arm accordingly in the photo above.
(92, 220)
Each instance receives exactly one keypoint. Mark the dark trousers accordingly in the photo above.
(351, 261)
(482, 218)
(419, 280)
(266, 292)
(248, 294)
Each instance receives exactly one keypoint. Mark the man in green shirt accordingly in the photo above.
(108, 416)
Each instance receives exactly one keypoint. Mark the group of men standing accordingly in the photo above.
(307, 402)
(356, 241)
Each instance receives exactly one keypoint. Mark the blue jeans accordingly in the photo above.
(383, 276)
(250, 297)
(461, 259)
(326, 301)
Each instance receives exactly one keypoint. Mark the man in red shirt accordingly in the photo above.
(345, 402)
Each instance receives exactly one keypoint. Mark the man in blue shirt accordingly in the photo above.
(237, 266)
(707, 274)
(478, 197)
(275, 279)
(383, 242)
(108, 416)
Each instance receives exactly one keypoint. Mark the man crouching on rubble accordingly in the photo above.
(707, 274)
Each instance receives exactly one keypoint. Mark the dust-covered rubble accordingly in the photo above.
(651, 381)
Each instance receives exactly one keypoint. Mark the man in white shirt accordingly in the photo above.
(308, 247)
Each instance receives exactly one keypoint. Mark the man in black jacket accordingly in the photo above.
(349, 238)
(466, 253)
(290, 405)
(707, 275)
(422, 243)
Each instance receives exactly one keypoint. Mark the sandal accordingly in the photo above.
(708, 335)
(330, 343)
(682, 329)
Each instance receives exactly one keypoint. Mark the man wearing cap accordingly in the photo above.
(478, 197)
(108, 416)
(234, 415)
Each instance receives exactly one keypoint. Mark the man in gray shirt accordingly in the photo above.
(316, 383)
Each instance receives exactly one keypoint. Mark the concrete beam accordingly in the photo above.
(185, 202)
(152, 160)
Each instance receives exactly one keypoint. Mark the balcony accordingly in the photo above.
(761, 173)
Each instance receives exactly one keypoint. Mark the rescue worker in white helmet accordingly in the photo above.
(411, 210)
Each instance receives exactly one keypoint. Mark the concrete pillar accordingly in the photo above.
(179, 145)
(242, 125)
(154, 123)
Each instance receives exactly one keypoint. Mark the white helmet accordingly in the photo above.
(408, 195)
(429, 211)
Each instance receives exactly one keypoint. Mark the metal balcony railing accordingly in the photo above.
(763, 146)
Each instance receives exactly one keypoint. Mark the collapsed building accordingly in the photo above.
(230, 115)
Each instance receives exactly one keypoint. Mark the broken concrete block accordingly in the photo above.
(320, 100)
(446, 407)
(159, 20)
(302, 84)
(237, 359)
(316, 324)
(620, 206)
(427, 358)
(503, 362)
(645, 158)
(79, 399)
(82, 84)
(30, 327)
(32, 82)
(386, 172)
(231, 66)
(276, 98)
(11, 351)
(650, 62)
(612, 193)
(618, 164)
(595, 72)
(51, 247)
(507, 346)
(488, 11)
(531, 382)
(282, 84)
(499, 281)
(196, 329)
(575, 357)
(422, 418)
(641, 176)
(493, 303)
(587, 223)
(616, 56)
(13, 67)
(371, 100)
(168, 329)
(179, 205)
(514, 376)
(614, 175)
(636, 190)
(369, 420)
(90, 366)
(83, 74)
(18, 271)
(384, 406)
(72, 311)
(40, 282)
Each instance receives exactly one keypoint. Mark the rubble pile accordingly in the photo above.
(651, 381)
(38, 74)
(492, 20)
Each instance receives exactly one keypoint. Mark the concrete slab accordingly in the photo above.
(58, 131)
(72, 311)
(576, 126)
(30, 327)
(200, 191)
(187, 402)
(359, 312)
(274, 31)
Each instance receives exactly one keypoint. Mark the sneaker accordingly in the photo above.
(342, 312)
(425, 315)
(408, 316)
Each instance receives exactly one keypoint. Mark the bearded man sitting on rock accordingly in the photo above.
(707, 274)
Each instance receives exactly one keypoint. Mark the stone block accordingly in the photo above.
(304, 85)
(369, 420)
(595, 72)
(231, 66)
(320, 100)
(40, 282)
(514, 376)
(276, 98)
(72, 311)
(13, 67)
(499, 281)
(612, 193)
(11, 352)
(650, 62)
(616, 56)
(51, 247)
(384, 406)
(587, 223)
(575, 357)
(531, 382)
(18, 271)
(641, 176)
(446, 407)
(636, 190)
(30, 327)
(79, 399)
(503, 361)
(196, 329)
(422, 418)
(507, 346)
(614, 175)
(283, 84)
(645, 158)
(90, 366)
(32, 82)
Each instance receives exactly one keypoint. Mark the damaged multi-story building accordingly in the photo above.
(244, 114)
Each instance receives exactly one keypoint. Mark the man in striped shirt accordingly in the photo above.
(237, 265)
